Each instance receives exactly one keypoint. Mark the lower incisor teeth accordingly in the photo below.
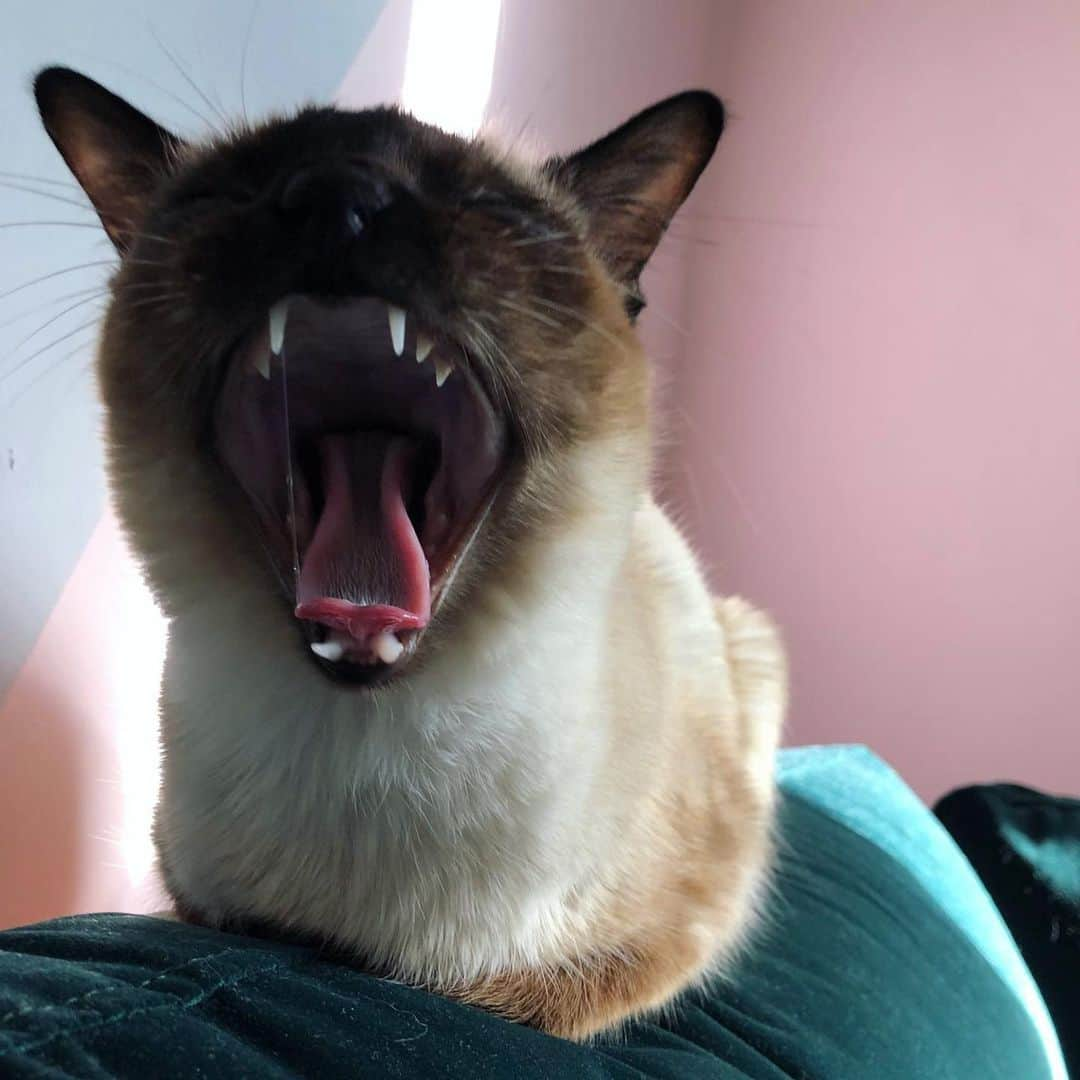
(387, 647)
(442, 370)
(328, 650)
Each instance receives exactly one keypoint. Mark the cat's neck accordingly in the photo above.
(517, 649)
(517, 653)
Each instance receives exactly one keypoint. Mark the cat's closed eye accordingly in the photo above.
(207, 197)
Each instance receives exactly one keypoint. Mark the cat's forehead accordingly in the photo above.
(426, 158)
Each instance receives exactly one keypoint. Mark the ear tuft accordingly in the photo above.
(117, 154)
(631, 182)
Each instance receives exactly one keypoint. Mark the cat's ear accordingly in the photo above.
(631, 182)
(117, 154)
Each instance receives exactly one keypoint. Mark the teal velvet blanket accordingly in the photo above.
(880, 956)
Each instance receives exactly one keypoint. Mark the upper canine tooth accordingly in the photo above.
(278, 314)
(424, 345)
(397, 328)
(262, 365)
(442, 370)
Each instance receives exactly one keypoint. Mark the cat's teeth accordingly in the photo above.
(397, 328)
(424, 345)
(278, 314)
(328, 650)
(262, 365)
(387, 647)
(442, 370)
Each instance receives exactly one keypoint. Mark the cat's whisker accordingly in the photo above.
(94, 289)
(52, 366)
(157, 300)
(680, 229)
(682, 221)
(55, 274)
(4, 376)
(569, 271)
(12, 186)
(717, 460)
(154, 264)
(140, 286)
(510, 305)
(168, 241)
(216, 110)
(137, 286)
(49, 224)
(547, 238)
(485, 338)
(487, 347)
(656, 312)
(243, 59)
(32, 179)
(52, 319)
(182, 102)
(588, 324)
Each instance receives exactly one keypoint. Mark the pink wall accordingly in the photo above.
(880, 420)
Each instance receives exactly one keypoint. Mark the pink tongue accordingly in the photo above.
(364, 570)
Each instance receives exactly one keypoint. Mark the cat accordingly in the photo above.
(445, 688)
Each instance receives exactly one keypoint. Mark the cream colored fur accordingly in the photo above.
(482, 814)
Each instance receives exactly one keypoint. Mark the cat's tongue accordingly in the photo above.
(364, 575)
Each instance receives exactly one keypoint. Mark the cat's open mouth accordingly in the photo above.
(371, 454)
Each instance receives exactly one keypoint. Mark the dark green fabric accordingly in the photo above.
(856, 973)
(1025, 846)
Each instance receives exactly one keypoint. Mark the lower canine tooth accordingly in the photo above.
(424, 345)
(387, 647)
(442, 370)
(328, 650)
(397, 328)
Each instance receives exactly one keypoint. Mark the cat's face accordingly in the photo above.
(358, 363)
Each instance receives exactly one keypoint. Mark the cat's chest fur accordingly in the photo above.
(444, 828)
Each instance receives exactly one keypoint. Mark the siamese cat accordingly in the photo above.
(445, 689)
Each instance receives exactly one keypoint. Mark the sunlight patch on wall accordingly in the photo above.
(450, 62)
(138, 653)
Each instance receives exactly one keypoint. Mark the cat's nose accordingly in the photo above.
(347, 198)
